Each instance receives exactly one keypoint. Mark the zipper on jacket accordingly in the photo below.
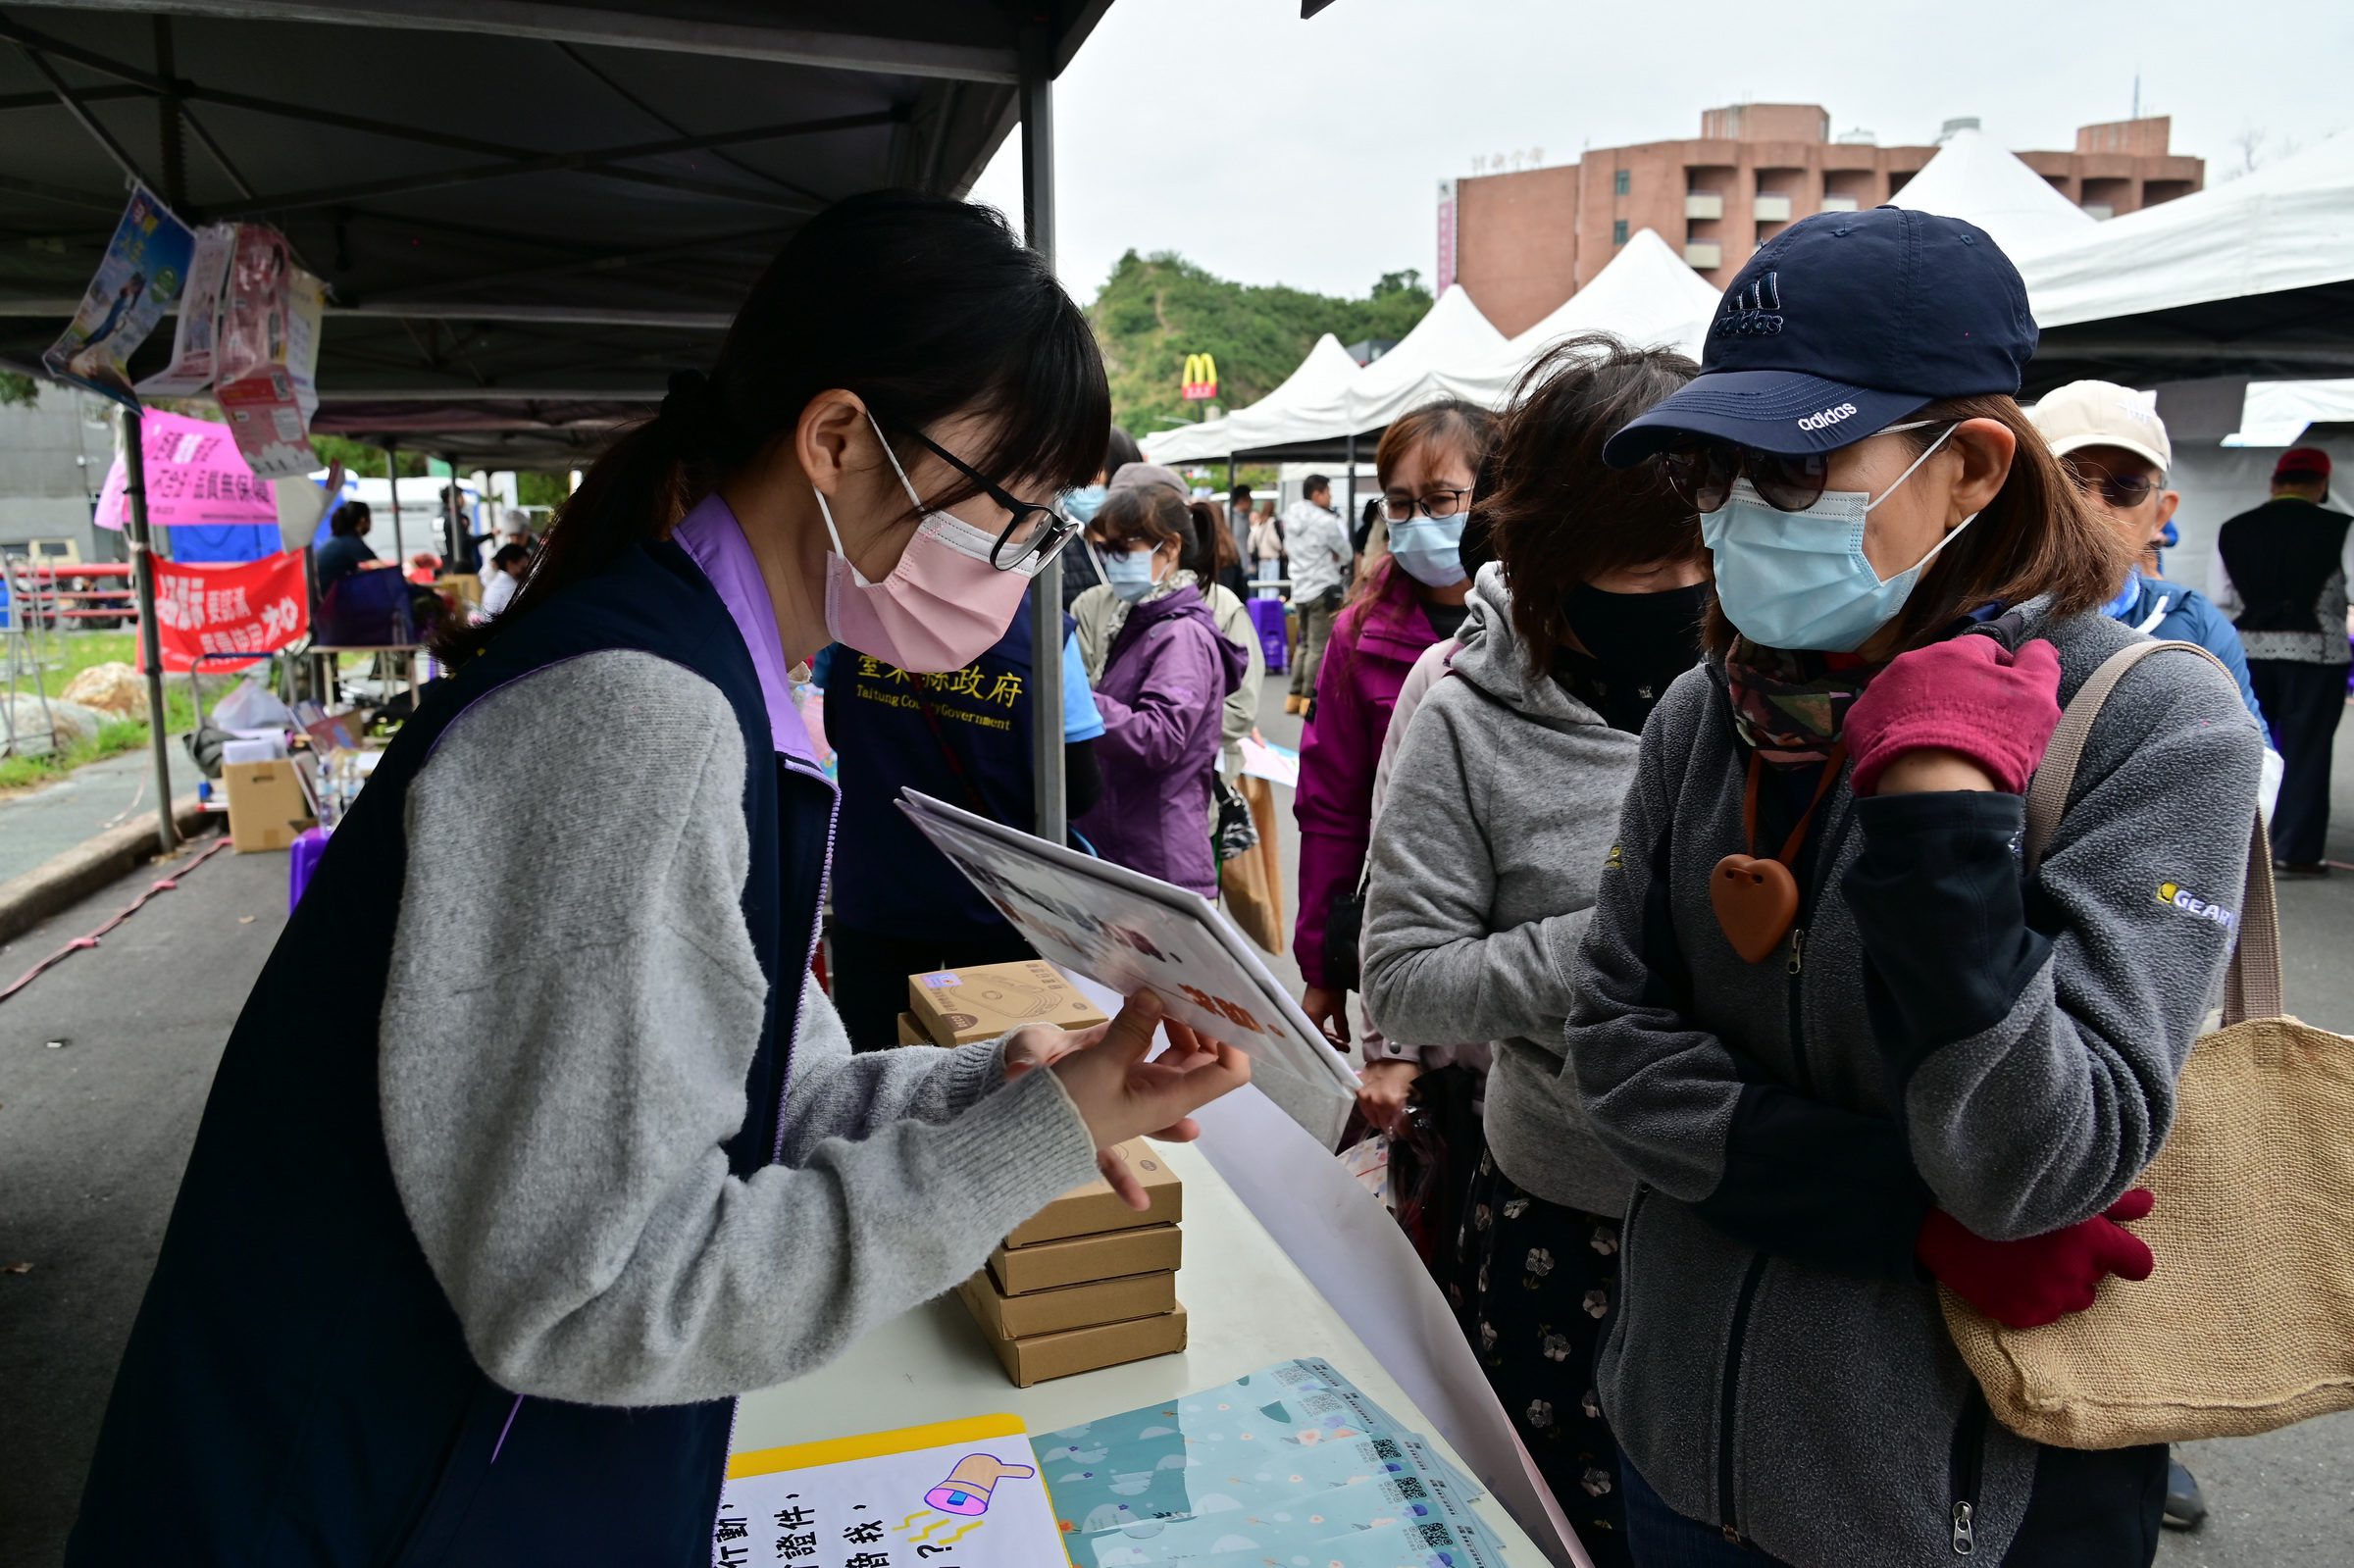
(1794, 968)
(1968, 1462)
(1730, 1397)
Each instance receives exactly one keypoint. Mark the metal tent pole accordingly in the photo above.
(1348, 518)
(1037, 92)
(400, 551)
(151, 652)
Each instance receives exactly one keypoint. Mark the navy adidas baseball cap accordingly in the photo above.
(1842, 325)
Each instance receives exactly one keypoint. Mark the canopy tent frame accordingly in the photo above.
(509, 338)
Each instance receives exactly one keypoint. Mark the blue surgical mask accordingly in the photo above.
(1080, 505)
(1130, 573)
(1430, 549)
(1800, 580)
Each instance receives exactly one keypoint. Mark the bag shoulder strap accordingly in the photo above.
(2252, 986)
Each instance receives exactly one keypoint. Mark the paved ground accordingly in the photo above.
(43, 821)
(93, 1134)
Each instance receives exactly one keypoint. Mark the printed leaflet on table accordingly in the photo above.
(959, 1494)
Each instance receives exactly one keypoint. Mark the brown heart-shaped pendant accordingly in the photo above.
(1755, 902)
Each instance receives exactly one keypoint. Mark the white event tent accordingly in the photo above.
(1647, 295)
(2254, 276)
(1980, 183)
(1452, 335)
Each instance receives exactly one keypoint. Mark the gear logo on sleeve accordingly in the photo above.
(2175, 895)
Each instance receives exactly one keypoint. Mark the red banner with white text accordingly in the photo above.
(253, 607)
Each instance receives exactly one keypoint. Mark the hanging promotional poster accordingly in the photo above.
(145, 269)
(269, 354)
(194, 478)
(195, 337)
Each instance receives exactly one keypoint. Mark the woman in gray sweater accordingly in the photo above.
(1850, 1049)
(1499, 815)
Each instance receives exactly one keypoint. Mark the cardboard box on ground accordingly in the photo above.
(269, 802)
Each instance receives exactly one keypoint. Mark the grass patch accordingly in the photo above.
(70, 653)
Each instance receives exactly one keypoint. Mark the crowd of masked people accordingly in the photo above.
(1661, 808)
(1700, 1166)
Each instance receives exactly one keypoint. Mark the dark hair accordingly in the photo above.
(1449, 423)
(1121, 451)
(349, 518)
(511, 555)
(1561, 515)
(1314, 482)
(924, 306)
(1480, 533)
(1239, 492)
(1152, 515)
(1213, 548)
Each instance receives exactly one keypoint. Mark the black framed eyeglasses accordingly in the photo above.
(1437, 505)
(1033, 534)
(1702, 472)
(2123, 491)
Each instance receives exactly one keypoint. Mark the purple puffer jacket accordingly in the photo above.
(1162, 697)
(1374, 645)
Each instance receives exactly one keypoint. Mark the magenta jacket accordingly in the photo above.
(1374, 645)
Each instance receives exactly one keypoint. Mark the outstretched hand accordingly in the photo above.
(1121, 1095)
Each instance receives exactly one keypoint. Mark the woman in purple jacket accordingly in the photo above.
(1412, 597)
(1162, 694)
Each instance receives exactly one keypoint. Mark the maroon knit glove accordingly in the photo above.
(1966, 694)
(2026, 1285)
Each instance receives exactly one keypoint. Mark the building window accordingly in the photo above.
(1619, 231)
(1620, 183)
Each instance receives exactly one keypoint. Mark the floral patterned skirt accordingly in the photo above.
(1534, 1285)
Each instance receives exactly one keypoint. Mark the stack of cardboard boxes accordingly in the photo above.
(1087, 1282)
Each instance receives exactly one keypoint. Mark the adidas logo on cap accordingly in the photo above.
(1827, 418)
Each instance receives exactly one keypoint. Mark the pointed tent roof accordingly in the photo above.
(1452, 335)
(1646, 296)
(1317, 383)
(1980, 183)
(2252, 277)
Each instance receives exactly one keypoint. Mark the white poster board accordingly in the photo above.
(1131, 932)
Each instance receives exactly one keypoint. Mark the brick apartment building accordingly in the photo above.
(1525, 241)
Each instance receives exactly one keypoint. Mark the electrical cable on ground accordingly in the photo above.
(162, 885)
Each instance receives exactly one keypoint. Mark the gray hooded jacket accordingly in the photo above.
(1938, 1029)
(1503, 804)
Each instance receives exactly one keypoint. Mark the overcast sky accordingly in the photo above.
(1273, 150)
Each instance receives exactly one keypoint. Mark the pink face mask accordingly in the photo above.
(943, 605)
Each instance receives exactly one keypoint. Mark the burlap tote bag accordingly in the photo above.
(2248, 1323)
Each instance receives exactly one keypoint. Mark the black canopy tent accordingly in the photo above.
(528, 212)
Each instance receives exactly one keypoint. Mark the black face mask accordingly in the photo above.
(1644, 641)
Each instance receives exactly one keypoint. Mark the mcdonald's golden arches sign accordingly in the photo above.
(1201, 378)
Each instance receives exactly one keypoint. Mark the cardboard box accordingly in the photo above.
(268, 804)
(912, 1033)
(957, 1006)
(1074, 1260)
(1111, 1345)
(1096, 1208)
(1073, 1306)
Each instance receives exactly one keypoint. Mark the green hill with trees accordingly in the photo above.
(1155, 310)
